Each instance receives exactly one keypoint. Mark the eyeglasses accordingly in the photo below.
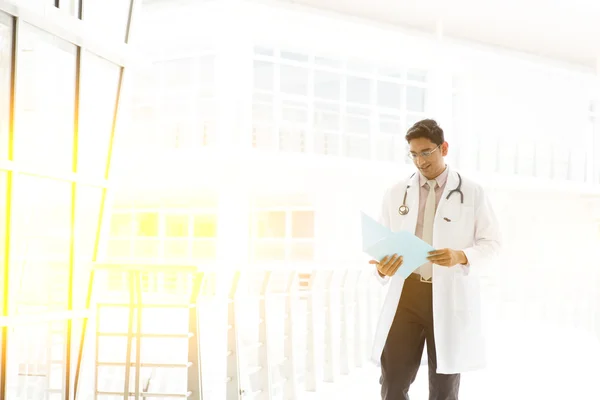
(423, 154)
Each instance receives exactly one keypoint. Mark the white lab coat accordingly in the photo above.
(472, 228)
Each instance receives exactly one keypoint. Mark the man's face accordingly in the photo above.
(430, 166)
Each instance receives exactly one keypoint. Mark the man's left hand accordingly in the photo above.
(447, 257)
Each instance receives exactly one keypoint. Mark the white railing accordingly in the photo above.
(253, 334)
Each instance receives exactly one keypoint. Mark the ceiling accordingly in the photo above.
(565, 30)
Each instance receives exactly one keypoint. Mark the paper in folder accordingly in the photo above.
(379, 241)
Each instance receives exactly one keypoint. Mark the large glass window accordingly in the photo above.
(327, 128)
(99, 86)
(328, 85)
(353, 108)
(174, 104)
(162, 234)
(294, 80)
(40, 243)
(283, 235)
(45, 106)
(5, 79)
(389, 94)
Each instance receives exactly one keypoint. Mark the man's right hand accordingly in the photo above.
(388, 265)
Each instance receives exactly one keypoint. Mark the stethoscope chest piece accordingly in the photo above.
(403, 209)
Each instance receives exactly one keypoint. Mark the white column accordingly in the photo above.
(233, 76)
(596, 127)
(441, 86)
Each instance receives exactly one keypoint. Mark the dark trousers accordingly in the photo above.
(401, 356)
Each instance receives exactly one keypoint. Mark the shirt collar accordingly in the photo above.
(440, 179)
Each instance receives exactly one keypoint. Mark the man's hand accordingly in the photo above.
(388, 265)
(447, 257)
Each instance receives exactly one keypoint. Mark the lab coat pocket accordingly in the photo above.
(466, 293)
(455, 224)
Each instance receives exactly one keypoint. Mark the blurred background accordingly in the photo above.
(182, 181)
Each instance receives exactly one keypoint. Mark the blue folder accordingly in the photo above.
(379, 241)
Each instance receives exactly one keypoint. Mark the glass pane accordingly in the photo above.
(176, 248)
(99, 84)
(177, 225)
(204, 249)
(303, 224)
(46, 102)
(302, 252)
(262, 109)
(264, 75)
(389, 94)
(293, 126)
(269, 251)
(35, 360)
(357, 121)
(119, 248)
(108, 17)
(146, 248)
(3, 188)
(294, 112)
(390, 124)
(121, 225)
(328, 85)
(294, 80)
(327, 116)
(415, 99)
(270, 224)
(359, 90)
(40, 244)
(87, 213)
(146, 224)
(205, 226)
(5, 76)
(177, 74)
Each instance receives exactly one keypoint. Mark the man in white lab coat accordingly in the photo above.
(439, 304)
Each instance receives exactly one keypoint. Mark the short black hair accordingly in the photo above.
(426, 128)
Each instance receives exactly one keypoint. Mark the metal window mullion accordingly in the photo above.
(23, 169)
(131, 17)
(8, 207)
(72, 241)
(107, 164)
(69, 29)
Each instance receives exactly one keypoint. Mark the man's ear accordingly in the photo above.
(445, 148)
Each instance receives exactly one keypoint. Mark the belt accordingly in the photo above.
(418, 277)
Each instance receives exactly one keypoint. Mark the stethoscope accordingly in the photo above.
(403, 209)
